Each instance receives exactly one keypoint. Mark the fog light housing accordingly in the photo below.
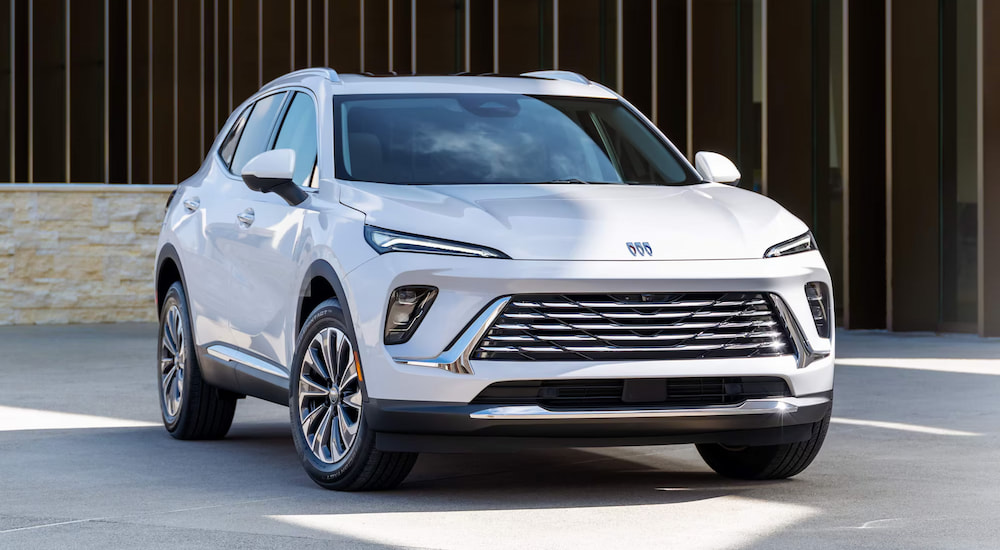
(818, 297)
(407, 307)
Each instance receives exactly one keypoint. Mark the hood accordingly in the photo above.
(583, 222)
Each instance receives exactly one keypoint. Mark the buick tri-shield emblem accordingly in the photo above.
(640, 249)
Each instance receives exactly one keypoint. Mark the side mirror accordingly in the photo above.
(271, 172)
(716, 168)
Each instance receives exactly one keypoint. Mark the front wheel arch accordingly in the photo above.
(319, 284)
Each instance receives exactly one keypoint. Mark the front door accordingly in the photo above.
(266, 234)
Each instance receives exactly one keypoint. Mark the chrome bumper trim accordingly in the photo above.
(782, 405)
(456, 358)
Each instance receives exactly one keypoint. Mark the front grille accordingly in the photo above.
(602, 327)
(645, 392)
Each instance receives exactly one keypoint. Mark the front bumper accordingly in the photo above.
(415, 372)
(447, 427)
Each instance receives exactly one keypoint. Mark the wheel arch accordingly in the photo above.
(319, 284)
(168, 271)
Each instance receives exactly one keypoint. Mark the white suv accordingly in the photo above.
(457, 263)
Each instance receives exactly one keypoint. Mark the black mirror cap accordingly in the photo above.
(284, 188)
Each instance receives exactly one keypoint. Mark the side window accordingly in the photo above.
(257, 131)
(298, 132)
(228, 146)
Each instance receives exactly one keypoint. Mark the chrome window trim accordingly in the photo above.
(279, 120)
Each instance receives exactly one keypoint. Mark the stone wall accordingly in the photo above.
(78, 253)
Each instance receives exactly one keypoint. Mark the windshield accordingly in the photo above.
(499, 138)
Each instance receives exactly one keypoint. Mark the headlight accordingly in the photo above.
(384, 240)
(802, 243)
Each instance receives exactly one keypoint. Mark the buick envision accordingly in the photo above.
(469, 263)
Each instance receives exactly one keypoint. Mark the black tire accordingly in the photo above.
(766, 462)
(359, 466)
(201, 410)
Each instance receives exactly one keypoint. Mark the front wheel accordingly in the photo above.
(326, 405)
(766, 461)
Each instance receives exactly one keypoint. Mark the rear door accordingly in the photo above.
(208, 271)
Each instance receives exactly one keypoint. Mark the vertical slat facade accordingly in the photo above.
(842, 110)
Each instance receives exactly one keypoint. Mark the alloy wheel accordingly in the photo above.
(173, 356)
(329, 397)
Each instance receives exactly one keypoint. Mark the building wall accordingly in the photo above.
(78, 253)
(863, 117)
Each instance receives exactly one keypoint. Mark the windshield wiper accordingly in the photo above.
(577, 180)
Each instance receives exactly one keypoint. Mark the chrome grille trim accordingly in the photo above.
(651, 326)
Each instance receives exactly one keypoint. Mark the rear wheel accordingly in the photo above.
(326, 405)
(768, 461)
(191, 408)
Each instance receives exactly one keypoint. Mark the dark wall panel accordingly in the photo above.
(220, 59)
(376, 36)
(118, 93)
(344, 46)
(5, 76)
(864, 298)
(211, 126)
(300, 40)
(190, 150)
(140, 93)
(277, 39)
(401, 39)
(440, 36)
(87, 91)
(21, 93)
(481, 37)
(525, 36)
(914, 204)
(715, 84)
(581, 18)
(244, 54)
(316, 45)
(989, 230)
(163, 93)
(49, 94)
(672, 71)
(637, 50)
(790, 106)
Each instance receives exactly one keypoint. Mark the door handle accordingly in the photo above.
(192, 204)
(245, 218)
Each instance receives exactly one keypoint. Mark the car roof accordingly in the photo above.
(560, 83)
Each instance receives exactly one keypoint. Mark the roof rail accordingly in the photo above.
(322, 72)
(558, 75)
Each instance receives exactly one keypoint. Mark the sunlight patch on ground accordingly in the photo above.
(958, 366)
(720, 523)
(17, 418)
(902, 427)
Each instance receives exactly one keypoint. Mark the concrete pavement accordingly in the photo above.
(911, 461)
